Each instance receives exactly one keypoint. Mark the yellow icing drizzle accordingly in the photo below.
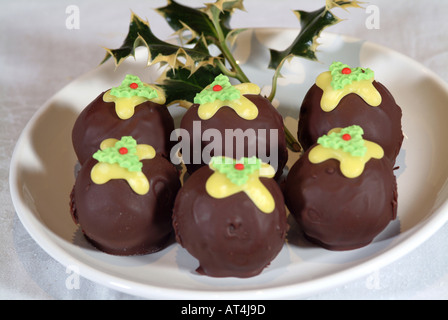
(103, 172)
(351, 166)
(219, 186)
(331, 98)
(124, 107)
(245, 108)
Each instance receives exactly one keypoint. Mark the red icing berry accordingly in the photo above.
(123, 150)
(133, 85)
(239, 166)
(217, 88)
(346, 71)
(347, 137)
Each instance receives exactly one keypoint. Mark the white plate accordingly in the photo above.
(41, 178)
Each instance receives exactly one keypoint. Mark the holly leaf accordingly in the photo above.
(181, 87)
(140, 34)
(226, 5)
(211, 23)
(192, 68)
(182, 18)
(312, 24)
(199, 22)
(226, 9)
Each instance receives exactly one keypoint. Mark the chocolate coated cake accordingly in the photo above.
(223, 224)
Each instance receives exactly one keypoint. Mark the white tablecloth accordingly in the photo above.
(39, 55)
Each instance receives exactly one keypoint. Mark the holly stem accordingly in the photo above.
(291, 142)
(275, 80)
(236, 70)
(224, 69)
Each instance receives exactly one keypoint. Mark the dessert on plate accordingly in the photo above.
(123, 198)
(233, 121)
(132, 109)
(342, 191)
(345, 96)
(231, 216)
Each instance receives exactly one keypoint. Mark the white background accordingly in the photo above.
(39, 55)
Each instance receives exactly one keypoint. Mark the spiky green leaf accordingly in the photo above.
(181, 87)
(200, 21)
(181, 18)
(312, 24)
(140, 34)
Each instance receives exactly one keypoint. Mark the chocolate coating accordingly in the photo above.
(230, 237)
(226, 118)
(151, 124)
(117, 220)
(340, 213)
(381, 124)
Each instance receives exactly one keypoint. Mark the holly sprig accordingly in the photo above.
(342, 75)
(237, 171)
(348, 139)
(124, 153)
(132, 86)
(190, 65)
(220, 89)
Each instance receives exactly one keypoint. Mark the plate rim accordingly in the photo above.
(411, 239)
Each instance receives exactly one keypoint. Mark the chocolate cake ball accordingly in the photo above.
(378, 115)
(146, 119)
(126, 211)
(235, 121)
(339, 212)
(217, 220)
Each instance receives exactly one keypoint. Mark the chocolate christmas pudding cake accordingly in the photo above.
(347, 96)
(233, 121)
(132, 109)
(123, 198)
(342, 191)
(231, 216)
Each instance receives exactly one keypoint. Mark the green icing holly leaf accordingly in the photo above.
(219, 89)
(132, 86)
(349, 139)
(124, 153)
(342, 75)
(237, 171)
